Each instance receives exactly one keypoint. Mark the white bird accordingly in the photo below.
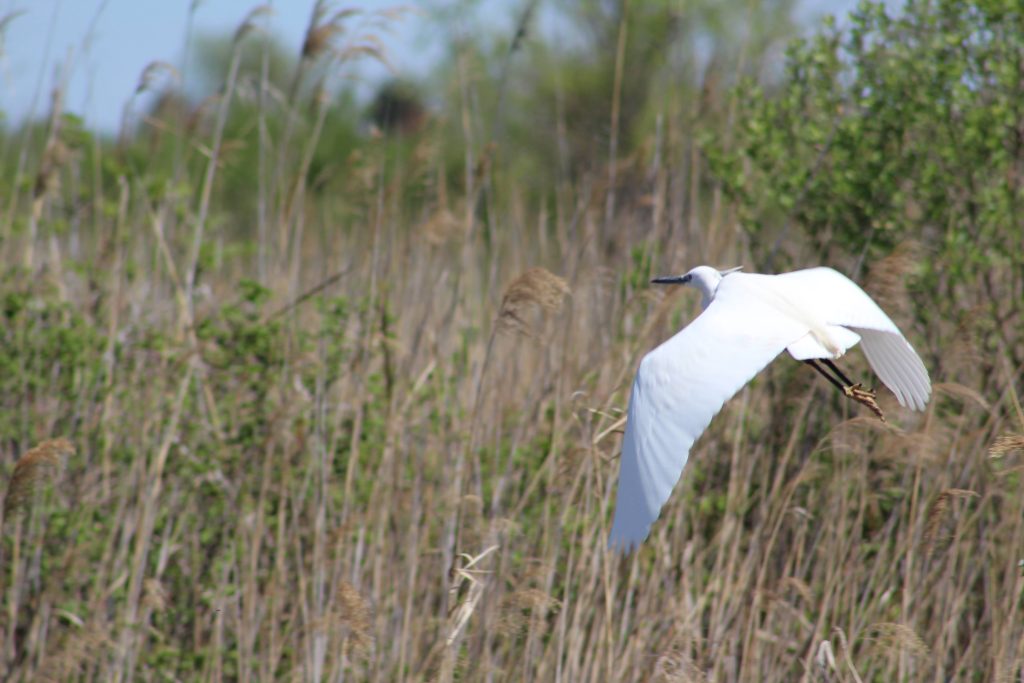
(748, 320)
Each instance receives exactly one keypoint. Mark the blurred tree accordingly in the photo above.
(398, 107)
(554, 87)
(667, 51)
(212, 53)
(270, 88)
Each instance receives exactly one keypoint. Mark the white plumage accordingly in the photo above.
(748, 320)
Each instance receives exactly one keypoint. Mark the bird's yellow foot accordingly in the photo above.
(864, 396)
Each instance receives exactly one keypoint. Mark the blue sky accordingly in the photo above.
(108, 44)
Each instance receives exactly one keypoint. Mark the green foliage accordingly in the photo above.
(51, 353)
(260, 55)
(245, 353)
(904, 127)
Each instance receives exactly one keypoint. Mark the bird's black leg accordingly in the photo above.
(849, 389)
(839, 373)
(835, 382)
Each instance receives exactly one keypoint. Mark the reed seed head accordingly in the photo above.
(33, 469)
(1005, 444)
(536, 288)
(354, 615)
(938, 512)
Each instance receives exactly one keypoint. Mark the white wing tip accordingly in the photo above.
(622, 546)
(918, 401)
(622, 541)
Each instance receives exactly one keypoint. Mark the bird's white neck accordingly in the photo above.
(705, 279)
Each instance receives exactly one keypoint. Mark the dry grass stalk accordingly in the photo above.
(369, 47)
(566, 469)
(34, 468)
(1005, 444)
(853, 435)
(536, 288)
(965, 393)
(6, 20)
(965, 351)
(844, 648)
(938, 511)
(800, 588)
(466, 575)
(471, 520)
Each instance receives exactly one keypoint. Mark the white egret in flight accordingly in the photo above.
(748, 319)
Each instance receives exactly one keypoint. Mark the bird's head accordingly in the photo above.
(703, 278)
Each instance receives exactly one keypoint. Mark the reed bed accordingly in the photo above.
(352, 436)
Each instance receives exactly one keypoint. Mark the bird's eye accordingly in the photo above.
(686, 278)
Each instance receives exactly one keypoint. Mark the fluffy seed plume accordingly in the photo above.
(354, 616)
(677, 667)
(6, 19)
(55, 156)
(1006, 444)
(77, 651)
(38, 465)
(440, 226)
(826, 659)
(154, 74)
(154, 595)
(319, 39)
(322, 30)
(887, 282)
(536, 288)
(896, 638)
(249, 24)
(938, 511)
(518, 607)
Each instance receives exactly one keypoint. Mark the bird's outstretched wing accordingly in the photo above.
(834, 298)
(679, 387)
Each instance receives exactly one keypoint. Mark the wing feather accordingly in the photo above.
(886, 368)
(839, 301)
(835, 298)
(898, 366)
(678, 389)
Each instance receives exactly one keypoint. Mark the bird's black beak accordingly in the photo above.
(669, 280)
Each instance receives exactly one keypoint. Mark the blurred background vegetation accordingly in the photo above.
(342, 379)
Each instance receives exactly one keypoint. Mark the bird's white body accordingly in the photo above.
(748, 320)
